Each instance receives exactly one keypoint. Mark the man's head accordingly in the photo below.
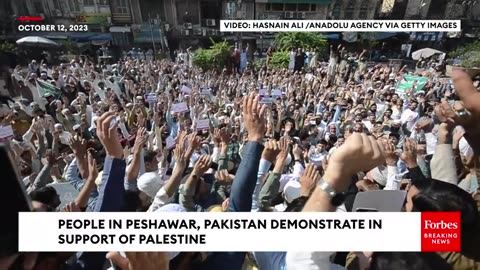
(46, 196)
(150, 159)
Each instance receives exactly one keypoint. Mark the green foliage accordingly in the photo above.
(7, 47)
(280, 60)
(468, 54)
(285, 41)
(203, 58)
(259, 63)
(214, 57)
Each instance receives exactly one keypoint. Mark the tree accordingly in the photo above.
(214, 57)
(286, 41)
(280, 59)
(468, 54)
(6, 47)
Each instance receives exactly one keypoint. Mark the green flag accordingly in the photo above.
(44, 88)
(408, 81)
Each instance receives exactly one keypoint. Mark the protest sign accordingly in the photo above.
(6, 132)
(151, 98)
(170, 142)
(180, 107)
(277, 92)
(186, 90)
(44, 88)
(263, 92)
(205, 91)
(408, 81)
(66, 192)
(203, 124)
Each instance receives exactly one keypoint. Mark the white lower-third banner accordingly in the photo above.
(366, 231)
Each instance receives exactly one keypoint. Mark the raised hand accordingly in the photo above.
(92, 166)
(179, 154)
(366, 185)
(284, 148)
(71, 207)
(224, 178)
(193, 142)
(391, 157)
(50, 156)
(217, 137)
(108, 136)
(78, 146)
(271, 151)
(309, 180)
(224, 136)
(140, 139)
(253, 117)
(202, 165)
(359, 153)
(409, 154)
(465, 113)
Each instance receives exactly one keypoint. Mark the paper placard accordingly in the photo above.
(151, 98)
(180, 107)
(263, 92)
(6, 132)
(203, 124)
(170, 142)
(266, 99)
(205, 91)
(66, 192)
(186, 90)
(277, 92)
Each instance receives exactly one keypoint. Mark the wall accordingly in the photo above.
(414, 9)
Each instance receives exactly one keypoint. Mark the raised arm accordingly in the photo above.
(165, 194)
(89, 186)
(134, 167)
(245, 179)
(79, 148)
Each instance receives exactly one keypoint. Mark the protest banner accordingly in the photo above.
(44, 88)
(408, 81)
(151, 98)
(180, 107)
(6, 132)
(203, 124)
(170, 142)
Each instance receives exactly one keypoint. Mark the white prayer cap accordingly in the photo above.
(150, 183)
(292, 191)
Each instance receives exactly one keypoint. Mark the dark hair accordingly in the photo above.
(45, 195)
(408, 261)
(439, 196)
(297, 204)
(150, 156)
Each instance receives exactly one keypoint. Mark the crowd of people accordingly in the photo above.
(132, 137)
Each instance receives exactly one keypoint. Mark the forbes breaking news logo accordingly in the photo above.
(441, 232)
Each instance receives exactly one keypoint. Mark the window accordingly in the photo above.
(349, 10)
(290, 7)
(37, 7)
(231, 9)
(313, 7)
(336, 9)
(75, 5)
(363, 10)
(209, 10)
(277, 7)
(88, 3)
(303, 7)
(120, 6)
